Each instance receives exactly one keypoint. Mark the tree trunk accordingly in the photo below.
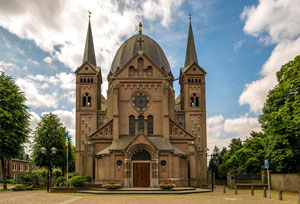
(3, 172)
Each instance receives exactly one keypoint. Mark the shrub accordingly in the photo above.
(56, 173)
(26, 179)
(11, 181)
(71, 175)
(77, 181)
(88, 179)
(61, 181)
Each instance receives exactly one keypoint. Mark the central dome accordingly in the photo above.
(140, 42)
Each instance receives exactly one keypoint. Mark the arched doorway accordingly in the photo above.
(141, 168)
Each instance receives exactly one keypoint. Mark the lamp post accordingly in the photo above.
(44, 151)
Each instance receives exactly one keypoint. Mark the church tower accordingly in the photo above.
(88, 105)
(192, 83)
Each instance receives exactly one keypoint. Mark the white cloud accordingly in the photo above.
(59, 27)
(4, 66)
(67, 81)
(48, 60)
(273, 22)
(220, 131)
(242, 126)
(238, 45)
(33, 95)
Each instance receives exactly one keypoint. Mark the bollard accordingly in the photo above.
(235, 189)
(252, 190)
(265, 192)
(280, 194)
(224, 189)
(299, 198)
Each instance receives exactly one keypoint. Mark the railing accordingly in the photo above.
(244, 178)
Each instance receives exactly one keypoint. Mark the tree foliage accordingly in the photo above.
(49, 133)
(14, 120)
(216, 160)
(280, 120)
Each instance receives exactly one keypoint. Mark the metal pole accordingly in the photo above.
(68, 165)
(269, 186)
(48, 178)
(212, 181)
(224, 189)
(252, 190)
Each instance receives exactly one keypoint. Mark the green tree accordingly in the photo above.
(216, 161)
(14, 121)
(49, 133)
(280, 120)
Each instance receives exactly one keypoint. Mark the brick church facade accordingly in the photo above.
(140, 135)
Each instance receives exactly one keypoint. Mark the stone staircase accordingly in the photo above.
(178, 190)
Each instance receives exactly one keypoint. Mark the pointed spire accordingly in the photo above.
(89, 52)
(191, 55)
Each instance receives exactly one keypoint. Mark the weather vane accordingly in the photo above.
(89, 13)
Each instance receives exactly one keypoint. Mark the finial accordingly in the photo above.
(140, 28)
(90, 14)
(190, 17)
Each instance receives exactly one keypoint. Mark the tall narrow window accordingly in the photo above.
(131, 125)
(83, 101)
(150, 125)
(89, 101)
(197, 101)
(192, 101)
(141, 123)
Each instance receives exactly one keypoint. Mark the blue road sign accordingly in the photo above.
(266, 164)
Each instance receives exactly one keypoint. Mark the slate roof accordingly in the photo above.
(89, 51)
(131, 46)
(191, 55)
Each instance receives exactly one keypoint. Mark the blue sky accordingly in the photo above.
(240, 44)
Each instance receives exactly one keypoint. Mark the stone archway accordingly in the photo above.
(141, 166)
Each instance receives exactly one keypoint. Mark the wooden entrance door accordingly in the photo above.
(141, 174)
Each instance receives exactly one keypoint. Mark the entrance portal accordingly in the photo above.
(141, 170)
(141, 174)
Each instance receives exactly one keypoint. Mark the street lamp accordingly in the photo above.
(44, 151)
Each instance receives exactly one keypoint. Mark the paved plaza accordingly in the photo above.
(244, 197)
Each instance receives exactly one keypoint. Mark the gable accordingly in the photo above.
(194, 69)
(86, 68)
(133, 69)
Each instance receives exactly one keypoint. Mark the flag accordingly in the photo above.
(67, 143)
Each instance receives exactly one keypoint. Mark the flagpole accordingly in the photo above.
(68, 159)
(68, 165)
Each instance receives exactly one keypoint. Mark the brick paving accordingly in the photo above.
(243, 197)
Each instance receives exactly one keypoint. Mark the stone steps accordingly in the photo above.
(186, 190)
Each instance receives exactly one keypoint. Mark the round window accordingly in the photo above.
(119, 163)
(163, 163)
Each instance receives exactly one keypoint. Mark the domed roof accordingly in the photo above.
(140, 42)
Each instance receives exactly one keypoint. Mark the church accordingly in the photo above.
(141, 135)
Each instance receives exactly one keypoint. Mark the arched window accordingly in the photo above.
(150, 71)
(81, 80)
(83, 101)
(197, 101)
(194, 100)
(131, 125)
(140, 63)
(150, 125)
(141, 123)
(84, 80)
(141, 155)
(86, 100)
(89, 101)
(88, 80)
(189, 80)
(131, 71)
(192, 81)
(91, 80)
